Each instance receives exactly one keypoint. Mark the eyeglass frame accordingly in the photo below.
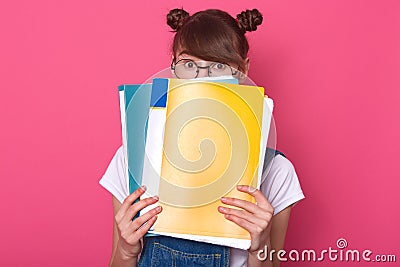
(200, 67)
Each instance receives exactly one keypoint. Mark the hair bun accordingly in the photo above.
(176, 18)
(249, 20)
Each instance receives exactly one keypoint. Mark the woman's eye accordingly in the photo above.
(220, 66)
(189, 65)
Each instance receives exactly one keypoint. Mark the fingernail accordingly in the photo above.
(155, 197)
(158, 208)
(224, 199)
(221, 208)
(252, 189)
(143, 187)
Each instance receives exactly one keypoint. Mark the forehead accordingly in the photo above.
(184, 54)
(187, 56)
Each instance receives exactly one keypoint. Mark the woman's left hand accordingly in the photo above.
(255, 218)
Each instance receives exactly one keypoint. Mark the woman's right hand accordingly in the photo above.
(131, 232)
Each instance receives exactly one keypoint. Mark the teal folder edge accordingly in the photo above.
(137, 105)
(136, 109)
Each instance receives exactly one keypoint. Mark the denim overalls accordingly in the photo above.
(169, 251)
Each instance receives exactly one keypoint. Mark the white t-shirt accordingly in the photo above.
(280, 185)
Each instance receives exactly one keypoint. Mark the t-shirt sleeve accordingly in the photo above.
(281, 185)
(114, 179)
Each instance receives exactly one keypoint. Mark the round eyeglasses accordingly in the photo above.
(189, 69)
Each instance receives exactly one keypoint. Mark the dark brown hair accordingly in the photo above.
(213, 34)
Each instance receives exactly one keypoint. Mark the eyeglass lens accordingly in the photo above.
(188, 69)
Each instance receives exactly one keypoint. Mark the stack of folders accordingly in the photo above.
(191, 142)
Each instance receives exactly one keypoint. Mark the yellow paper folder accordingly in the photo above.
(214, 138)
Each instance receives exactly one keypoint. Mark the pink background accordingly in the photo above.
(332, 68)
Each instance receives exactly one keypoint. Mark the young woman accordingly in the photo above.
(208, 43)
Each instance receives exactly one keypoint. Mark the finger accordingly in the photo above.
(262, 222)
(246, 205)
(129, 200)
(132, 236)
(257, 194)
(138, 222)
(145, 227)
(245, 224)
(137, 207)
